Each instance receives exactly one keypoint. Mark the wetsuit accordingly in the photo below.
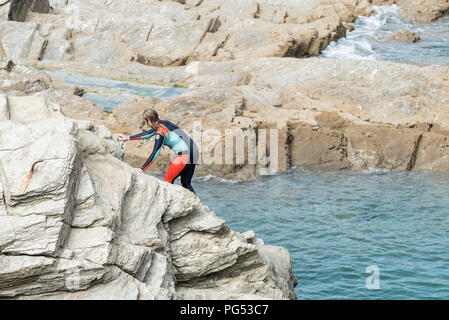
(170, 135)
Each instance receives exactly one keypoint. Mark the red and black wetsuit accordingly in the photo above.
(170, 135)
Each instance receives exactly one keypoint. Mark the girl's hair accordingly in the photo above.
(151, 116)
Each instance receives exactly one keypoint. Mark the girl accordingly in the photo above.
(170, 135)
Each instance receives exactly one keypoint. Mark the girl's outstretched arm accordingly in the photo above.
(143, 135)
(158, 142)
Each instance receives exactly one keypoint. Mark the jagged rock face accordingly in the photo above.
(19, 9)
(41, 6)
(154, 32)
(377, 115)
(88, 226)
(212, 111)
(21, 80)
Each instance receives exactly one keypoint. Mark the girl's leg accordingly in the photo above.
(186, 176)
(176, 168)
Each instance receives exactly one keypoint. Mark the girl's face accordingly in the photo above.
(150, 124)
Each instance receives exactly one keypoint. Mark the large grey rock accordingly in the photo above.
(40, 6)
(19, 9)
(88, 226)
(154, 32)
(27, 275)
(18, 80)
(4, 110)
(328, 113)
(22, 40)
(405, 36)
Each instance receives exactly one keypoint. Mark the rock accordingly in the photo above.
(129, 113)
(72, 234)
(206, 288)
(423, 11)
(431, 154)
(153, 32)
(6, 65)
(18, 9)
(40, 6)
(28, 275)
(405, 36)
(325, 116)
(22, 40)
(4, 110)
(21, 80)
(78, 91)
(363, 99)
(124, 287)
(418, 11)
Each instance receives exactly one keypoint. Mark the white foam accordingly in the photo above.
(377, 170)
(211, 177)
(357, 44)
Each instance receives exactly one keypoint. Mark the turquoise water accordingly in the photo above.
(109, 93)
(368, 40)
(336, 224)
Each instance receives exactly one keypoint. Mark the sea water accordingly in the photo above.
(368, 41)
(109, 93)
(347, 230)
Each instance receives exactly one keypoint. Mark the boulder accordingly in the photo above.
(40, 6)
(5, 64)
(22, 40)
(324, 115)
(154, 32)
(21, 80)
(405, 36)
(69, 233)
(19, 9)
(418, 11)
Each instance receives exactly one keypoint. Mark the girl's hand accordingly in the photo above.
(122, 137)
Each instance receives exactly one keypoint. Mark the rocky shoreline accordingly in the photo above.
(329, 113)
(172, 33)
(379, 115)
(241, 67)
(70, 234)
(371, 121)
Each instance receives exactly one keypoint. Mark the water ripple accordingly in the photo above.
(368, 41)
(336, 224)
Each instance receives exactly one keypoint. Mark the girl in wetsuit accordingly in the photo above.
(170, 135)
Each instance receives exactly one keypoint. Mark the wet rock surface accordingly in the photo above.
(405, 36)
